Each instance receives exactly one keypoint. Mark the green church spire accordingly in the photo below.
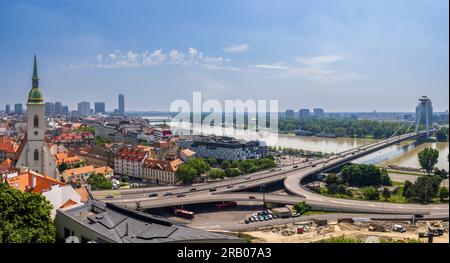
(35, 74)
(35, 95)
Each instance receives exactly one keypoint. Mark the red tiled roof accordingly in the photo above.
(7, 144)
(23, 182)
(170, 166)
(130, 154)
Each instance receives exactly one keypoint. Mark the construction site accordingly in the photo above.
(353, 231)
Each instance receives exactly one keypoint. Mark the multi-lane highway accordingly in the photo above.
(292, 176)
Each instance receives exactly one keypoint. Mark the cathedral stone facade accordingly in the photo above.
(34, 152)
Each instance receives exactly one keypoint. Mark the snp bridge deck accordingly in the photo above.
(292, 178)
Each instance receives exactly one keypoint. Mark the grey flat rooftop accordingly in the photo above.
(123, 225)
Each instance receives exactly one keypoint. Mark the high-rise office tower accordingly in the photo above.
(49, 108)
(8, 109)
(65, 110)
(304, 113)
(84, 108)
(290, 114)
(99, 108)
(18, 109)
(58, 108)
(121, 104)
(318, 112)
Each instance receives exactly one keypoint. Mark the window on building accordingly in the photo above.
(36, 155)
(36, 121)
(66, 232)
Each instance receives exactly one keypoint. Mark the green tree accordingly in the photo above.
(25, 217)
(426, 188)
(63, 167)
(211, 161)
(386, 193)
(302, 207)
(186, 173)
(332, 182)
(443, 193)
(216, 173)
(428, 158)
(232, 172)
(408, 190)
(124, 179)
(385, 179)
(361, 175)
(225, 164)
(199, 164)
(442, 134)
(370, 193)
(99, 182)
(441, 173)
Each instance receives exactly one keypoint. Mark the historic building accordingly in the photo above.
(34, 153)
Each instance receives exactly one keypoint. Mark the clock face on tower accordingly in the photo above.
(36, 133)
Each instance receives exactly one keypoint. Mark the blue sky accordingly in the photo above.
(343, 55)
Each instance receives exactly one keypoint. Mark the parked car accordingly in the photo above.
(261, 218)
(212, 189)
(251, 197)
(295, 215)
(247, 221)
(295, 166)
(248, 177)
(251, 219)
(241, 186)
(193, 189)
(270, 217)
(398, 228)
(418, 215)
(230, 186)
(168, 193)
(109, 196)
(152, 195)
(180, 195)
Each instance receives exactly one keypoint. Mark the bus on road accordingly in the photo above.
(184, 213)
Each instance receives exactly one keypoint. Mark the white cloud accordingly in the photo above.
(316, 68)
(277, 66)
(237, 48)
(118, 59)
(319, 60)
(153, 59)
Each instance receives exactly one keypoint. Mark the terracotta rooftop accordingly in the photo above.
(7, 144)
(170, 166)
(80, 170)
(24, 182)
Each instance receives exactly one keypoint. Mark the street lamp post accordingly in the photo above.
(264, 195)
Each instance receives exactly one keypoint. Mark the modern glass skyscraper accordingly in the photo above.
(18, 108)
(58, 108)
(121, 104)
(99, 107)
(84, 108)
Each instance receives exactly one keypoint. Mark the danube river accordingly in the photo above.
(403, 154)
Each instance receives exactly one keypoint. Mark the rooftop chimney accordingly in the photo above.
(33, 181)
